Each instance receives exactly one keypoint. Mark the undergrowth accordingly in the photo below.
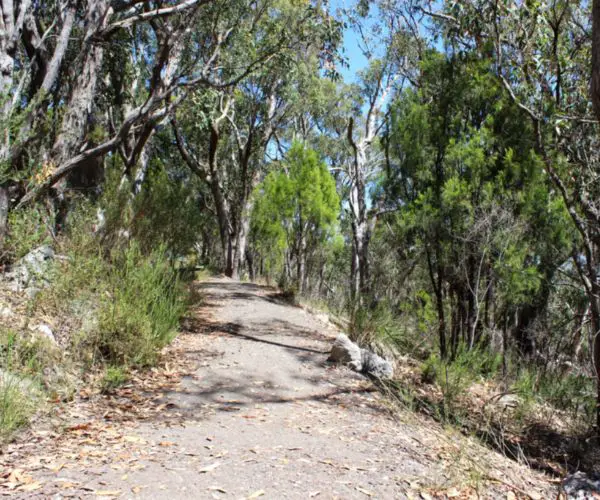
(116, 301)
(530, 412)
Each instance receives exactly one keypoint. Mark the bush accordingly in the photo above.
(569, 392)
(114, 377)
(28, 229)
(165, 213)
(18, 402)
(123, 305)
(456, 376)
(26, 353)
(140, 312)
(378, 327)
(19, 394)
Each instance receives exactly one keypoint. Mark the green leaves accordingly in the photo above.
(298, 202)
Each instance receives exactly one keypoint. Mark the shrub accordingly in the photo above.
(378, 327)
(18, 401)
(30, 355)
(569, 392)
(29, 228)
(123, 305)
(139, 314)
(455, 376)
(114, 377)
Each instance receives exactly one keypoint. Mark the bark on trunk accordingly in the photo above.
(79, 109)
(301, 264)
(4, 204)
(595, 80)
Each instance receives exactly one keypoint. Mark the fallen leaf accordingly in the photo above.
(365, 492)
(218, 488)
(107, 493)
(209, 468)
(79, 427)
(30, 487)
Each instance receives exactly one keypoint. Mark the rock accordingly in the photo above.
(347, 352)
(508, 401)
(30, 270)
(376, 365)
(46, 331)
(581, 486)
(361, 360)
(6, 313)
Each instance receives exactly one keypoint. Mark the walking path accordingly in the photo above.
(246, 406)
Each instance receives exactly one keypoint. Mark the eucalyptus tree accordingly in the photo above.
(385, 42)
(64, 105)
(225, 138)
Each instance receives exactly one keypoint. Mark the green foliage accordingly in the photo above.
(26, 353)
(22, 361)
(571, 392)
(378, 327)
(18, 402)
(295, 208)
(165, 213)
(141, 309)
(127, 302)
(456, 376)
(28, 229)
(114, 377)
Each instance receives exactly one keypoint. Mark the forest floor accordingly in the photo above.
(245, 405)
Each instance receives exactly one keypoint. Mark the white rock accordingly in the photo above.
(46, 331)
(347, 352)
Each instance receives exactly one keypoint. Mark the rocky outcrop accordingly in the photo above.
(346, 352)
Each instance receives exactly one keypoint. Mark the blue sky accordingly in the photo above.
(352, 53)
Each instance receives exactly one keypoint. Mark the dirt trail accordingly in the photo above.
(246, 406)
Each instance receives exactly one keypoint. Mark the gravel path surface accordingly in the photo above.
(246, 406)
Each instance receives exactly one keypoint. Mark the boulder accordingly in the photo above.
(376, 365)
(581, 486)
(30, 270)
(361, 360)
(346, 352)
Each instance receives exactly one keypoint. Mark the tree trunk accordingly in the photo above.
(301, 264)
(80, 106)
(354, 277)
(595, 80)
(241, 240)
(437, 285)
(4, 204)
